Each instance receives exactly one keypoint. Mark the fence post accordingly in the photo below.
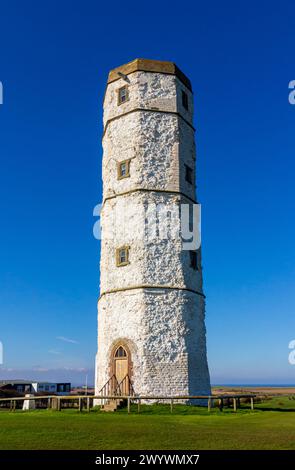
(235, 404)
(88, 404)
(171, 405)
(209, 404)
(80, 404)
(48, 403)
(252, 403)
(58, 404)
(128, 405)
(138, 406)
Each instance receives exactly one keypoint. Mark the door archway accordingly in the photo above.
(120, 360)
(121, 365)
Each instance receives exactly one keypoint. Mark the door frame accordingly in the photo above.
(112, 364)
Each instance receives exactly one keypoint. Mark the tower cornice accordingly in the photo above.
(147, 65)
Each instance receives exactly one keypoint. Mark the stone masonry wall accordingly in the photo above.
(162, 329)
(153, 260)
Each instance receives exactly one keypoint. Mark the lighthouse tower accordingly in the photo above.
(151, 329)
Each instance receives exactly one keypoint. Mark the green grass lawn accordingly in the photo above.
(270, 426)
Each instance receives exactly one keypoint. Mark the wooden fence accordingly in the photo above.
(86, 402)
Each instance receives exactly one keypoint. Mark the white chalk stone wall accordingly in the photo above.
(154, 304)
(155, 142)
(146, 90)
(153, 260)
(165, 332)
(151, 141)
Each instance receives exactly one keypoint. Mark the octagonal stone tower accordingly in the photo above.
(151, 329)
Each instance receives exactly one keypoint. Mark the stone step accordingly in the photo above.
(112, 405)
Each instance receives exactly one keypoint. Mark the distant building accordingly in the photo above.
(20, 386)
(28, 386)
(59, 388)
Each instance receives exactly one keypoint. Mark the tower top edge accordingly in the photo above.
(148, 65)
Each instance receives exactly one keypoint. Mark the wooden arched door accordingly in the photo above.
(121, 361)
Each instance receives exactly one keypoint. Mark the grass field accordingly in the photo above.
(270, 426)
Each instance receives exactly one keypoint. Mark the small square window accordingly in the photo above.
(184, 100)
(123, 169)
(189, 174)
(123, 94)
(122, 256)
(194, 260)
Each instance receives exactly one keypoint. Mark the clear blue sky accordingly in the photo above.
(54, 61)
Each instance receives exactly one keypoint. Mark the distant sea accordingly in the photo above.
(255, 385)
